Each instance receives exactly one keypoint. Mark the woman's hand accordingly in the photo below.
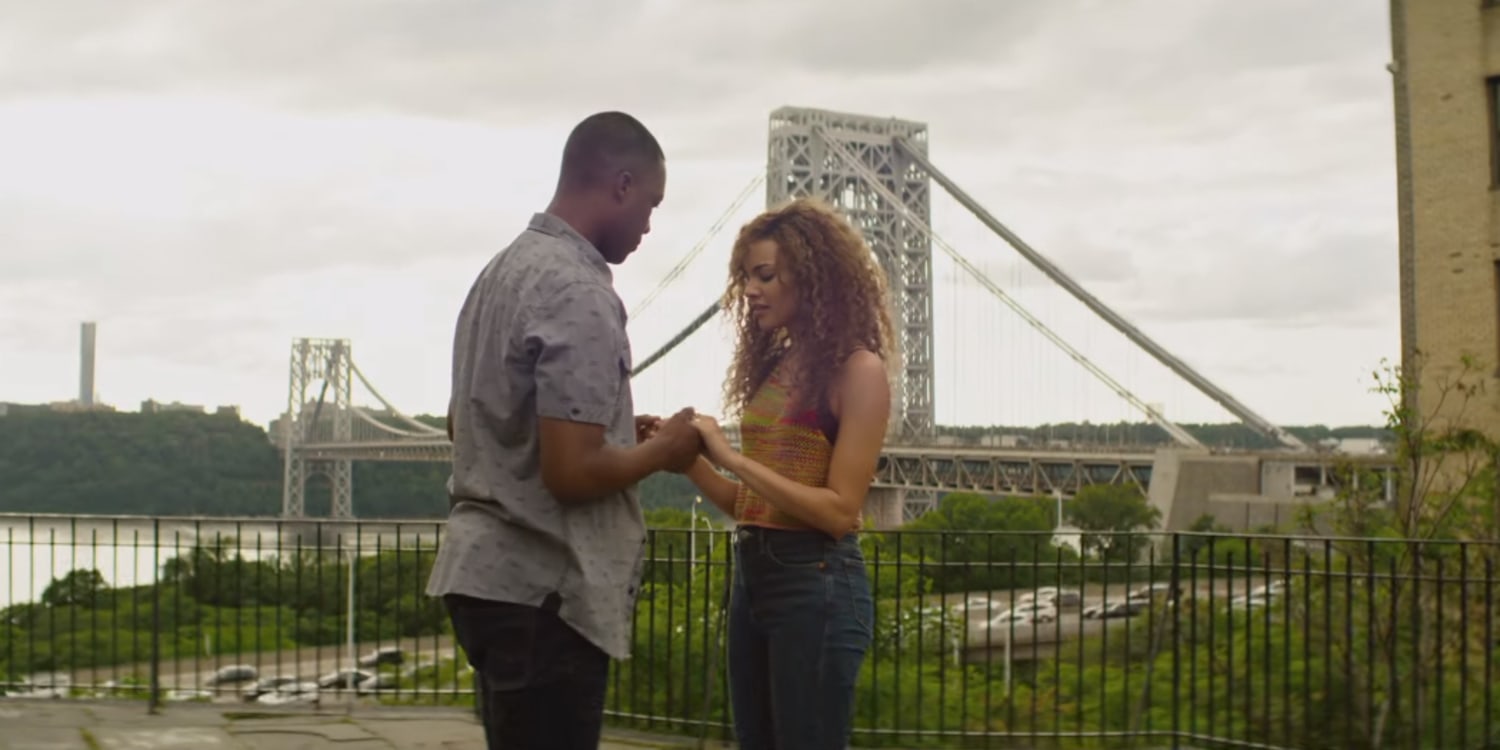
(714, 443)
(646, 426)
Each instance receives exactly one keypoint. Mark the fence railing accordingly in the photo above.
(1201, 640)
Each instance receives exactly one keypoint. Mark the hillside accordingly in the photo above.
(181, 463)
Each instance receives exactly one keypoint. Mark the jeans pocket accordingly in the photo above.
(801, 554)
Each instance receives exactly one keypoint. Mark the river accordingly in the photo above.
(36, 550)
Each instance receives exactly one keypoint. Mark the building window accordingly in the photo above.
(1492, 90)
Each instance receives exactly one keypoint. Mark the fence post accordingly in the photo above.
(1178, 602)
(153, 702)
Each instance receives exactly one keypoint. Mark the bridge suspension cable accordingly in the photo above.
(681, 336)
(425, 429)
(1219, 395)
(369, 419)
(697, 249)
(1178, 433)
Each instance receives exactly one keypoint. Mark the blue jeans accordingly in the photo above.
(800, 621)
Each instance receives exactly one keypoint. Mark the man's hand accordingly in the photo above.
(681, 440)
(646, 426)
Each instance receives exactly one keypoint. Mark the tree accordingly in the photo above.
(1424, 544)
(79, 588)
(1105, 512)
(1204, 524)
(966, 560)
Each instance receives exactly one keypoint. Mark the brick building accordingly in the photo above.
(1446, 73)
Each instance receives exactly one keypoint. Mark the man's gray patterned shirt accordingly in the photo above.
(542, 333)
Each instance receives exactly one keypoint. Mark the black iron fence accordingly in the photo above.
(981, 638)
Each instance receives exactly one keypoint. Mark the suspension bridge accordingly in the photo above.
(878, 173)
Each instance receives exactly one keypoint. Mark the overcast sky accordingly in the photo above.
(210, 180)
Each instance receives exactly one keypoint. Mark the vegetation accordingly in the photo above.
(212, 600)
(182, 463)
(1144, 435)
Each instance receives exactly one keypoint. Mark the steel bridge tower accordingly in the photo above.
(802, 163)
(328, 364)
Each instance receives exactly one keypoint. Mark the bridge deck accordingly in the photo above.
(947, 468)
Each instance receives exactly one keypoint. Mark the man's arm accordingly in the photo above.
(579, 466)
(579, 338)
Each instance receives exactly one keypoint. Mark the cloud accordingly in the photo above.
(210, 180)
(500, 63)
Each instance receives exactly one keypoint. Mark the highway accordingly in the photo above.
(1041, 640)
(307, 663)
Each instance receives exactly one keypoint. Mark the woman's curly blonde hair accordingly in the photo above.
(842, 303)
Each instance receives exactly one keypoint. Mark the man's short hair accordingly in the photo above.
(602, 145)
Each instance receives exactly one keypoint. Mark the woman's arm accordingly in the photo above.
(719, 489)
(862, 400)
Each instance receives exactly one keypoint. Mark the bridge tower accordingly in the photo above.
(326, 363)
(802, 163)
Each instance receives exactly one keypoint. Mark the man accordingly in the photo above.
(544, 546)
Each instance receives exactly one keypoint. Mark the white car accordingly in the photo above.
(974, 604)
(1026, 613)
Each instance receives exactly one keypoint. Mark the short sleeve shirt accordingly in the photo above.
(541, 334)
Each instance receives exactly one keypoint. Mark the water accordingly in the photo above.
(36, 550)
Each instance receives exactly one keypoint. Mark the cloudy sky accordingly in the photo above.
(209, 181)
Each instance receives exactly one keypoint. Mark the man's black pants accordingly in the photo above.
(541, 684)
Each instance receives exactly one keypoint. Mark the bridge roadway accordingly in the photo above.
(945, 468)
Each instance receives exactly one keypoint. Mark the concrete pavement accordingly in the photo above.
(125, 725)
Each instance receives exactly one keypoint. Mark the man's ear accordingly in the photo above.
(624, 183)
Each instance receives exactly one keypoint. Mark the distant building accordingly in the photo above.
(1446, 72)
(86, 393)
(1361, 446)
(76, 407)
(151, 406)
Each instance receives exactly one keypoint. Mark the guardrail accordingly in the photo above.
(1207, 640)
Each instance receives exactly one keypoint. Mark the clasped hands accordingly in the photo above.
(687, 435)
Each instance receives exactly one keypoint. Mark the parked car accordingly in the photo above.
(1033, 612)
(390, 655)
(342, 679)
(44, 685)
(231, 675)
(1151, 591)
(292, 692)
(264, 686)
(974, 604)
(1116, 609)
(1061, 598)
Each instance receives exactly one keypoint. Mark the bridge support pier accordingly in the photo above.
(885, 508)
(1245, 492)
(340, 473)
(309, 418)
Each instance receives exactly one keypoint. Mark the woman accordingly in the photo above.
(810, 384)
